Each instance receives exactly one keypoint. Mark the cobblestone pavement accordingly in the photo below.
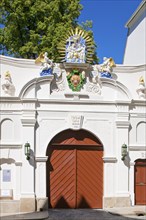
(87, 214)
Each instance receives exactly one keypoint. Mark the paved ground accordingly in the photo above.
(87, 214)
(79, 214)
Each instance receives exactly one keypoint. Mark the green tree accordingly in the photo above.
(33, 26)
(87, 26)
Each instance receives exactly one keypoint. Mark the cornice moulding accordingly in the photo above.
(30, 63)
(28, 122)
(129, 69)
(91, 101)
(12, 144)
(138, 115)
(76, 65)
(41, 158)
(28, 100)
(139, 102)
(141, 8)
(18, 62)
(58, 101)
(137, 147)
(9, 99)
(122, 124)
(110, 159)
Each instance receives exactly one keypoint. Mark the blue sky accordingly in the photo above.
(109, 18)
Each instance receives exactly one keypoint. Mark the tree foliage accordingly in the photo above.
(32, 26)
(87, 26)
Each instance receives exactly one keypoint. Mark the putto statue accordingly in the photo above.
(141, 89)
(46, 64)
(106, 68)
(7, 86)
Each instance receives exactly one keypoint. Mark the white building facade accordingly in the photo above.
(73, 133)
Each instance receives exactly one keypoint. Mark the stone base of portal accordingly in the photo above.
(110, 202)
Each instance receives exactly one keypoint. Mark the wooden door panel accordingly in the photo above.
(75, 170)
(89, 179)
(140, 182)
(140, 195)
(140, 174)
(62, 179)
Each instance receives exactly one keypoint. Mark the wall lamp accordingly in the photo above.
(27, 150)
(124, 151)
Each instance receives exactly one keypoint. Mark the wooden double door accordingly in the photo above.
(75, 172)
(140, 182)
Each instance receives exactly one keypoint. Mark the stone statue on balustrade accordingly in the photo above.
(105, 69)
(46, 64)
(7, 86)
(48, 67)
(141, 89)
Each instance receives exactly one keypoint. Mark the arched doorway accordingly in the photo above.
(75, 170)
(140, 182)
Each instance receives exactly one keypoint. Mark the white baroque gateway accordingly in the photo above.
(73, 138)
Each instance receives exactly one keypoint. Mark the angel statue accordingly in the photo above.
(106, 68)
(46, 64)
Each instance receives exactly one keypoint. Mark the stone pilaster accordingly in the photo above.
(122, 169)
(28, 121)
(131, 182)
(41, 198)
(18, 180)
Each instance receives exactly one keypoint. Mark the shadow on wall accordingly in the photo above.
(32, 160)
(127, 161)
(7, 161)
(11, 161)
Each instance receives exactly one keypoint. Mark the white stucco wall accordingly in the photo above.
(41, 107)
(135, 50)
(38, 112)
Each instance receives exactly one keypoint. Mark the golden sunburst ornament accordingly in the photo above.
(76, 47)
